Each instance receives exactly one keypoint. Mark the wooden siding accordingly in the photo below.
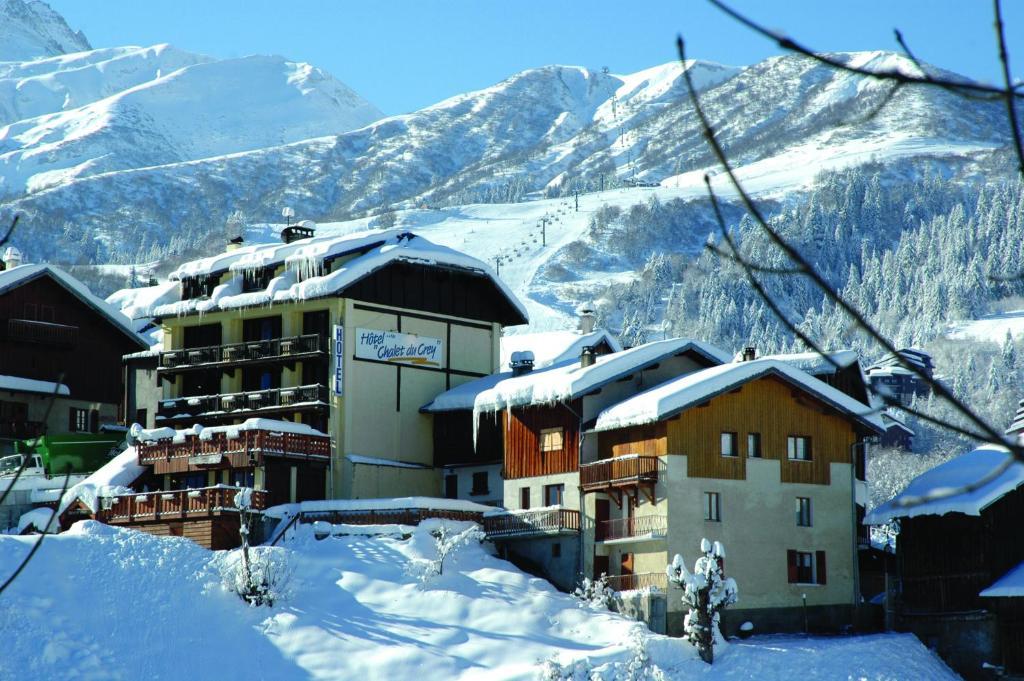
(649, 440)
(214, 533)
(523, 458)
(774, 409)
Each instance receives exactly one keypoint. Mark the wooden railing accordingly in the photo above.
(235, 405)
(619, 471)
(531, 523)
(251, 443)
(241, 353)
(638, 526)
(31, 331)
(388, 516)
(641, 580)
(175, 504)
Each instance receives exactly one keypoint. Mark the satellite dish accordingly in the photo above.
(287, 212)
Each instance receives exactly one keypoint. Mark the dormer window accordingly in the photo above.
(199, 287)
(257, 279)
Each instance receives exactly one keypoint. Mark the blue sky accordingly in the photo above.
(405, 54)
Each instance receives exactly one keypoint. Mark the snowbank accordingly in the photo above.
(111, 479)
(670, 398)
(929, 493)
(40, 518)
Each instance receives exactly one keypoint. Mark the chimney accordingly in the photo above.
(522, 362)
(588, 356)
(587, 319)
(749, 353)
(303, 230)
(12, 258)
(235, 243)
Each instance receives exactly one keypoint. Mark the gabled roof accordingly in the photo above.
(679, 394)
(566, 381)
(367, 252)
(816, 364)
(927, 494)
(23, 274)
(553, 347)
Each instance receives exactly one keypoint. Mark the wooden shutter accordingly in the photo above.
(94, 421)
(820, 562)
(791, 564)
(72, 421)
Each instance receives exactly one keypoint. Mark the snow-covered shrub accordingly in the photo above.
(448, 539)
(258, 575)
(706, 591)
(595, 593)
(637, 667)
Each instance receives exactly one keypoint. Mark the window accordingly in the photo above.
(729, 447)
(552, 439)
(803, 511)
(712, 507)
(142, 417)
(754, 445)
(80, 420)
(46, 313)
(806, 567)
(556, 550)
(451, 487)
(30, 311)
(241, 477)
(479, 483)
(524, 498)
(798, 448)
(553, 495)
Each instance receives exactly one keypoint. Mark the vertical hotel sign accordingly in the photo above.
(338, 354)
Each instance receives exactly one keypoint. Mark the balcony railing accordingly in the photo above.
(645, 526)
(249, 352)
(236, 405)
(530, 523)
(620, 471)
(248, 448)
(176, 504)
(641, 580)
(48, 333)
(21, 430)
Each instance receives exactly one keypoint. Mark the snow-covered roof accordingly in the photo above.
(389, 504)
(553, 347)
(565, 381)
(231, 431)
(112, 478)
(894, 420)
(138, 303)
(30, 385)
(39, 518)
(929, 493)
(23, 274)
(302, 278)
(1017, 425)
(814, 363)
(671, 397)
(377, 461)
(1010, 585)
(919, 358)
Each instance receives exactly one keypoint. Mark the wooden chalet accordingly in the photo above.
(952, 552)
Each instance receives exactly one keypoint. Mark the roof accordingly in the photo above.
(554, 347)
(30, 385)
(1010, 585)
(674, 396)
(302, 278)
(1018, 420)
(894, 420)
(928, 493)
(919, 358)
(566, 381)
(23, 274)
(815, 363)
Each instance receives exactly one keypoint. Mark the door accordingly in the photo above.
(600, 566)
(602, 513)
(626, 570)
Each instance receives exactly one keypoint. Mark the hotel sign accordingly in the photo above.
(338, 358)
(398, 348)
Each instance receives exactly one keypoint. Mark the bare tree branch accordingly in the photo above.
(1009, 95)
(10, 230)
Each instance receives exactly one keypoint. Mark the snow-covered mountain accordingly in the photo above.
(32, 29)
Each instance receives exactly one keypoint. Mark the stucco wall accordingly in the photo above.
(495, 485)
(571, 495)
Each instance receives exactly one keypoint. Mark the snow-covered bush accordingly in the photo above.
(258, 575)
(448, 539)
(706, 591)
(637, 667)
(595, 593)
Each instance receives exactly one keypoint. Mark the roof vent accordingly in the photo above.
(749, 353)
(587, 319)
(522, 362)
(588, 356)
(235, 243)
(12, 257)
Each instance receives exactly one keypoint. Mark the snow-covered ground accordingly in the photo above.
(103, 603)
(991, 327)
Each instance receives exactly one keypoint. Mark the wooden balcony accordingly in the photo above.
(209, 409)
(640, 580)
(639, 527)
(620, 473)
(128, 509)
(531, 523)
(45, 333)
(231, 355)
(221, 451)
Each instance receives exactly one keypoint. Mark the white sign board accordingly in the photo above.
(338, 357)
(398, 348)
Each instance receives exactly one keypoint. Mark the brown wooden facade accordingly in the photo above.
(522, 428)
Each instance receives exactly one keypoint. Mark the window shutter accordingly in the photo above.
(72, 425)
(791, 563)
(94, 421)
(820, 560)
